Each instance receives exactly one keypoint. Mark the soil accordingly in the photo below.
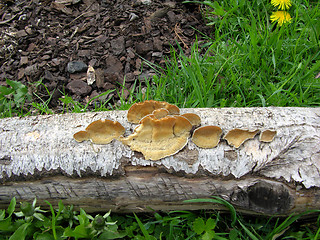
(83, 48)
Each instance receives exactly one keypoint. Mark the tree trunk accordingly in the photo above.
(39, 158)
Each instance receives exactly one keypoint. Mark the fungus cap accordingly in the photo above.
(81, 136)
(267, 135)
(193, 118)
(160, 113)
(207, 136)
(100, 132)
(156, 138)
(181, 126)
(162, 129)
(236, 137)
(139, 110)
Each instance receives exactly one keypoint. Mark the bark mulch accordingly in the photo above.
(65, 42)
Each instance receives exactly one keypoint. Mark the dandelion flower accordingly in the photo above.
(281, 4)
(281, 17)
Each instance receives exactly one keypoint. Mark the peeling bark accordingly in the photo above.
(39, 158)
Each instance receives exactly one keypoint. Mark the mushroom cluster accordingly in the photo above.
(163, 132)
(139, 110)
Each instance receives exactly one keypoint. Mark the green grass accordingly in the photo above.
(247, 62)
(16, 100)
(63, 222)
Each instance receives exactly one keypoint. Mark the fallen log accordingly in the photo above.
(39, 158)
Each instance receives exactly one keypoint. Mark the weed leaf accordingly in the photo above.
(21, 232)
(199, 226)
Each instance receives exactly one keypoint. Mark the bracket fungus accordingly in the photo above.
(139, 110)
(163, 132)
(267, 135)
(207, 136)
(100, 132)
(160, 113)
(159, 138)
(193, 118)
(236, 137)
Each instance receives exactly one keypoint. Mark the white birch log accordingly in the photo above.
(39, 158)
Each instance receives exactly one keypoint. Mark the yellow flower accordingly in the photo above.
(281, 4)
(281, 17)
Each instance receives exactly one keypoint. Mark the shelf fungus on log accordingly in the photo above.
(236, 137)
(267, 135)
(139, 110)
(207, 136)
(159, 138)
(100, 132)
(39, 158)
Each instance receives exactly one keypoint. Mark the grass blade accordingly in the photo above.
(142, 227)
(218, 200)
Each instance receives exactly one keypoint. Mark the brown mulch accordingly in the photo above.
(55, 41)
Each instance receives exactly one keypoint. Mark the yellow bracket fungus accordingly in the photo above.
(142, 109)
(207, 136)
(193, 118)
(159, 138)
(267, 135)
(160, 113)
(236, 137)
(100, 132)
(163, 132)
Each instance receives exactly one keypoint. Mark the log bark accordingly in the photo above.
(39, 158)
